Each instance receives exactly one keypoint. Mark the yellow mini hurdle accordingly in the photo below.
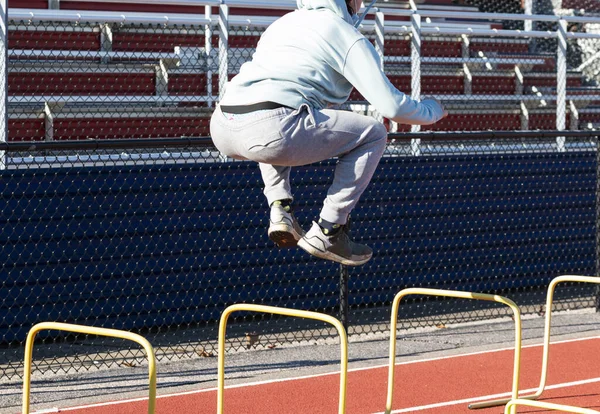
(546, 349)
(453, 294)
(512, 404)
(285, 312)
(57, 326)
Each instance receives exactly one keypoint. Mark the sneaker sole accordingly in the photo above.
(309, 248)
(283, 237)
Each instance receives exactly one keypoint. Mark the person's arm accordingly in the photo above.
(362, 70)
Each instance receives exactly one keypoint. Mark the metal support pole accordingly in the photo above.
(344, 296)
(380, 36)
(519, 88)
(574, 116)
(4, 82)
(467, 75)
(106, 41)
(530, 25)
(528, 10)
(597, 297)
(208, 33)
(223, 48)
(524, 116)
(561, 83)
(48, 123)
(161, 79)
(415, 72)
(380, 44)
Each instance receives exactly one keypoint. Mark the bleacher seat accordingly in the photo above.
(64, 84)
(587, 5)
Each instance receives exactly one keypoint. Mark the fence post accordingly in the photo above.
(208, 33)
(223, 48)
(48, 122)
(343, 316)
(467, 76)
(528, 10)
(106, 40)
(561, 83)
(380, 44)
(530, 25)
(597, 272)
(415, 73)
(4, 82)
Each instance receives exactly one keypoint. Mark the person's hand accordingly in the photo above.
(444, 110)
(436, 102)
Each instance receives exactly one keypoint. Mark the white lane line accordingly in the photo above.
(490, 397)
(251, 384)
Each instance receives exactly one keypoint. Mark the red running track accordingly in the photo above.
(442, 385)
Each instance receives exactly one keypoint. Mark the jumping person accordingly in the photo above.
(279, 111)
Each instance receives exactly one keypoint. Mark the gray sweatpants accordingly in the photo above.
(281, 138)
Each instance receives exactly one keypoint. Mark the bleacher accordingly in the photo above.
(78, 80)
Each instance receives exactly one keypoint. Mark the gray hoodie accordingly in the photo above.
(315, 55)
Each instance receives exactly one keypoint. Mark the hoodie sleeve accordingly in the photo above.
(362, 70)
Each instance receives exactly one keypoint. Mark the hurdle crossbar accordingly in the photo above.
(512, 404)
(546, 349)
(285, 312)
(459, 295)
(67, 327)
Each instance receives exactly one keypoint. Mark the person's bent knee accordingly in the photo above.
(380, 131)
(378, 134)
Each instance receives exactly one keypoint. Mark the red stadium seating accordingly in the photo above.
(28, 4)
(587, 5)
(37, 77)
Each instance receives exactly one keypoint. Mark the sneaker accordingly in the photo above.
(338, 248)
(284, 229)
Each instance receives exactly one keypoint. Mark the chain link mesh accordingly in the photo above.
(159, 239)
(91, 81)
(583, 66)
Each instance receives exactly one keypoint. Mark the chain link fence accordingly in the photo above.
(159, 237)
(119, 213)
(583, 62)
(102, 81)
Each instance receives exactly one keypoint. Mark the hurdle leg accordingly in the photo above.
(546, 349)
(512, 404)
(57, 326)
(285, 312)
(454, 294)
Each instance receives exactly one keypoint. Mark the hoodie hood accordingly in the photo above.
(336, 6)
